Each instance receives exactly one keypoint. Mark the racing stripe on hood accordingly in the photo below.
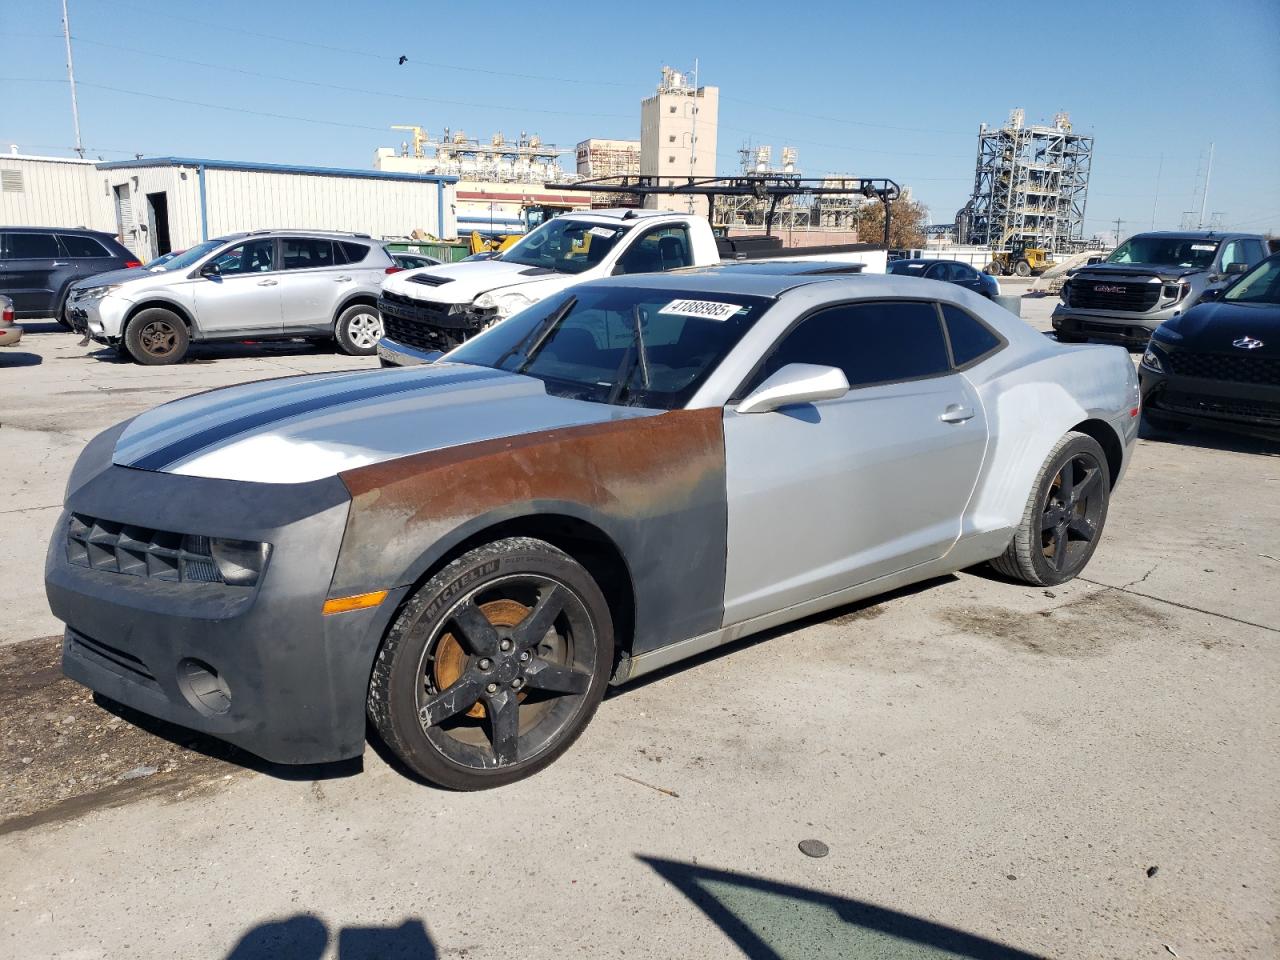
(184, 447)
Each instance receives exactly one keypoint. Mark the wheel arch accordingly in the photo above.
(350, 300)
(1110, 441)
(156, 302)
(566, 527)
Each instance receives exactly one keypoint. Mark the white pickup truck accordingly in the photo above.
(431, 309)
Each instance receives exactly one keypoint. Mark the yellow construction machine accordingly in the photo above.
(534, 215)
(1021, 260)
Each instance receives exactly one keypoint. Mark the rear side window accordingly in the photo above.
(870, 342)
(970, 338)
(79, 246)
(353, 252)
(31, 246)
(304, 253)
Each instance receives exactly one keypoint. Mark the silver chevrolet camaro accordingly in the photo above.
(628, 473)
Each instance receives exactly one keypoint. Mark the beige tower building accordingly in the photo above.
(678, 137)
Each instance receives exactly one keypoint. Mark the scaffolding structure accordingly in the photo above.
(1030, 186)
(523, 160)
(609, 158)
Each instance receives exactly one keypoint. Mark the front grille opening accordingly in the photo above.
(122, 661)
(1220, 366)
(139, 551)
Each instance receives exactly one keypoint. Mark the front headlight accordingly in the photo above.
(504, 304)
(1151, 360)
(96, 293)
(240, 562)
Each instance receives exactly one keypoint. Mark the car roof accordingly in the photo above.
(929, 260)
(1195, 234)
(713, 281)
(779, 268)
(86, 230)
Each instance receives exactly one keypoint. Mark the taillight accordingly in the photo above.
(393, 269)
(130, 264)
(7, 315)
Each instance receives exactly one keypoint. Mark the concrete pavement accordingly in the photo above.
(996, 769)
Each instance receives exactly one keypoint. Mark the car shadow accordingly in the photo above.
(1206, 438)
(232, 350)
(43, 326)
(846, 614)
(768, 920)
(217, 749)
(305, 936)
(19, 358)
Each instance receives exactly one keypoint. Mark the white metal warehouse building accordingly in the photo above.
(169, 203)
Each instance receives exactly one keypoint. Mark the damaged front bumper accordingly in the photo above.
(258, 666)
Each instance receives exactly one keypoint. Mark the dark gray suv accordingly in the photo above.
(38, 265)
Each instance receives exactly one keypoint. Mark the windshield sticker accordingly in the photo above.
(1204, 246)
(604, 233)
(707, 309)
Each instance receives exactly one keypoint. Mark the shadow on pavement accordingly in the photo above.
(305, 937)
(19, 358)
(1207, 438)
(777, 921)
(220, 750)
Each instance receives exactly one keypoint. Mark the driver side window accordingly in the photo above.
(666, 248)
(256, 256)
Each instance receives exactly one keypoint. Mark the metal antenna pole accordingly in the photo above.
(71, 77)
(1156, 201)
(1119, 223)
(693, 135)
(1204, 197)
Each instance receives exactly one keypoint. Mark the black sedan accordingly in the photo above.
(949, 271)
(1218, 364)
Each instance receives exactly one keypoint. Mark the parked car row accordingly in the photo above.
(263, 285)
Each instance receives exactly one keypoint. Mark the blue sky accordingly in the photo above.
(894, 90)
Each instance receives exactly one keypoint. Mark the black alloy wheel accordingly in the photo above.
(1064, 515)
(1069, 522)
(481, 686)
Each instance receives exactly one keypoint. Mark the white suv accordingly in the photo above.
(264, 285)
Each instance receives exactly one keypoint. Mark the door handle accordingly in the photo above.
(956, 413)
(60, 263)
(267, 283)
(341, 279)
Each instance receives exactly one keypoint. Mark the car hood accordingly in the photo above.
(300, 429)
(1214, 327)
(1113, 271)
(463, 282)
(112, 276)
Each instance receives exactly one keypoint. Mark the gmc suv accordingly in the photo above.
(1148, 279)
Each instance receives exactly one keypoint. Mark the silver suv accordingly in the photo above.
(264, 285)
(1148, 279)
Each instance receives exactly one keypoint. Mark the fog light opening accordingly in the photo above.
(204, 687)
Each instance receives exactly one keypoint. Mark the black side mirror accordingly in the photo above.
(1210, 295)
(210, 270)
(1235, 268)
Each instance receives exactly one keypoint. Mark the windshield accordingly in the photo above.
(1259, 285)
(1166, 251)
(582, 343)
(190, 256)
(564, 245)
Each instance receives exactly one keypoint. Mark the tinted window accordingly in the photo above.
(354, 252)
(305, 253)
(962, 271)
(870, 342)
(257, 256)
(31, 246)
(970, 339)
(82, 246)
(658, 250)
(941, 271)
(592, 353)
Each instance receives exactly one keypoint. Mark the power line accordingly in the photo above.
(389, 58)
(854, 123)
(335, 86)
